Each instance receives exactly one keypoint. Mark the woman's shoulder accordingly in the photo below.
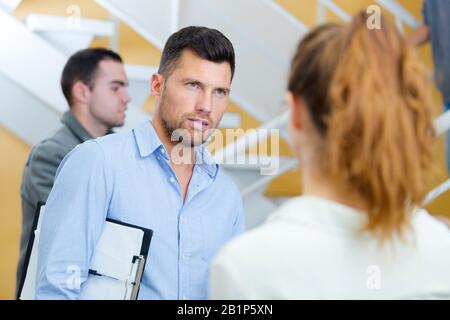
(430, 231)
(285, 227)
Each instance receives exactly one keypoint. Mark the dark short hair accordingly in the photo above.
(82, 66)
(208, 44)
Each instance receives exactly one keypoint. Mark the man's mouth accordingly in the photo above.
(199, 124)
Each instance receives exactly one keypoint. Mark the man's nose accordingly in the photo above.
(204, 104)
(126, 96)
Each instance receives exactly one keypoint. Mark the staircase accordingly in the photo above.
(36, 43)
(38, 48)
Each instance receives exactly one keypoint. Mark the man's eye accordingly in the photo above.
(193, 85)
(221, 93)
(115, 89)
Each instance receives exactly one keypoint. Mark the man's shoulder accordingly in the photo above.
(110, 147)
(64, 138)
(115, 142)
(60, 143)
(51, 148)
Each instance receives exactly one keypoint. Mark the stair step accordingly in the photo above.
(51, 23)
(9, 5)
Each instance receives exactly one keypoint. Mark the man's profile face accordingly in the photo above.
(195, 96)
(109, 96)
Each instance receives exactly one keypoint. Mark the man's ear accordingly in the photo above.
(80, 92)
(157, 84)
(295, 105)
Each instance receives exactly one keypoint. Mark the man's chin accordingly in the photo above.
(192, 142)
(117, 124)
(195, 137)
(121, 121)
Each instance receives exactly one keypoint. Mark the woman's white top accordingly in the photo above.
(310, 248)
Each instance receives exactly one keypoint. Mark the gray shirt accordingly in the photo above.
(437, 14)
(39, 174)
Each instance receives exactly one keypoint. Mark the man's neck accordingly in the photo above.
(187, 153)
(183, 169)
(91, 125)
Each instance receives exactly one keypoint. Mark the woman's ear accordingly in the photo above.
(295, 105)
(157, 84)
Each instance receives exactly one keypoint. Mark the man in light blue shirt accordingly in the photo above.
(137, 177)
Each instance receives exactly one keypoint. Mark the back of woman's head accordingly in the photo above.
(368, 97)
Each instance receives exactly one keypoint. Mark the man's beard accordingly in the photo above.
(179, 134)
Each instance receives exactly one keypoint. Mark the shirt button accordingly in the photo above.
(158, 157)
(184, 298)
(172, 179)
(163, 151)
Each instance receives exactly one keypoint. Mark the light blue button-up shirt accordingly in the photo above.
(127, 177)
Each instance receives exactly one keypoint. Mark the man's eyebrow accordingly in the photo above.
(119, 82)
(191, 80)
(227, 89)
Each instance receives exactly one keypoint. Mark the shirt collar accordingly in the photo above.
(147, 139)
(77, 129)
(322, 213)
(206, 162)
(148, 142)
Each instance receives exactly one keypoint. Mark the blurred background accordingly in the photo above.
(39, 35)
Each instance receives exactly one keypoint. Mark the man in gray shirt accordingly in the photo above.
(94, 84)
(436, 28)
